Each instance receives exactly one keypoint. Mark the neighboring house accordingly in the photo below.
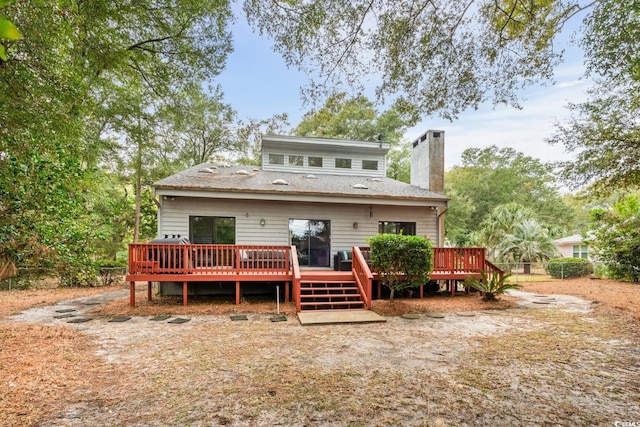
(322, 195)
(573, 246)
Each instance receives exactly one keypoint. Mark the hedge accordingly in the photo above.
(569, 267)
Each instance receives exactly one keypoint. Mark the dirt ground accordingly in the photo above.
(554, 353)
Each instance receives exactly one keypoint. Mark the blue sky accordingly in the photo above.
(257, 84)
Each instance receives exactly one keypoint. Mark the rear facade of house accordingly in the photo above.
(323, 196)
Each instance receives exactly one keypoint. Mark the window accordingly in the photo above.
(392, 227)
(276, 159)
(371, 165)
(343, 163)
(296, 161)
(212, 230)
(315, 162)
(312, 238)
(581, 251)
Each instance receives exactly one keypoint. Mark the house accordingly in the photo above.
(307, 211)
(322, 195)
(573, 247)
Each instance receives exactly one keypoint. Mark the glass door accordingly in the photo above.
(312, 238)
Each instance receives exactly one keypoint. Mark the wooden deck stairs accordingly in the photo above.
(320, 291)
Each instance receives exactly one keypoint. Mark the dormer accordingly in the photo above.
(324, 156)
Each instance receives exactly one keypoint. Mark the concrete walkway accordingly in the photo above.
(339, 316)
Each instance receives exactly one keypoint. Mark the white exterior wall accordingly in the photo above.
(328, 162)
(174, 219)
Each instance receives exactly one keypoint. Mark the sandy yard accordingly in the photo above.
(554, 353)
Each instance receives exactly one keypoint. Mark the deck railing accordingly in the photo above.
(146, 259)
(458, 260)
(297, 277)
(454, 261)
(362, 274)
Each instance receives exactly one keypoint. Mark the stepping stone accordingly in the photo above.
(64, 316)
(435, 315)
(280, 318)
(79, 320)
(178, 320)
(66, 310)
(466, 314)
(120, 319)
(237, 317)
(90, 303)
(541, 302)
(411, 316)
(158, 318)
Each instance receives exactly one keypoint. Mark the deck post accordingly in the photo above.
(452, 283)
(132, 294)
(185, 293)
(287, 291)
(421, 291)
(237, 292)
(149, 286)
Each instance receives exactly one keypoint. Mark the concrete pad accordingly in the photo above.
(339, 316)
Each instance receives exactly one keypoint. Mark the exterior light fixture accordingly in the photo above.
(355, 224)
(262, 222)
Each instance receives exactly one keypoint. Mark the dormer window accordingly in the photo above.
(315, 162)
(276, 159)
(371, 165)
(343, 163)
(296, 161)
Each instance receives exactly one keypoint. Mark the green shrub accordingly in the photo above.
(401, 261)
(569, 267)
(491, 285)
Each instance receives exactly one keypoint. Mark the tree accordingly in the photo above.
(604, 131)
(513, 235)
(352, 118)
(490, 177)
(8, 33)
(614, 234)
(427, 56)
(79, 72)
(204, 126)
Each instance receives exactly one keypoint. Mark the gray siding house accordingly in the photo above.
(322, 195)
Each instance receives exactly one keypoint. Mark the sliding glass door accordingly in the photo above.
(312, 238)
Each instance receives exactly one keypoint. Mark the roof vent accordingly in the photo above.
(310, 177)
(360, 186)
(279, 182)
(208, 170)
(242, 172)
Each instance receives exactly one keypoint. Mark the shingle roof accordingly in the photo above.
(227, 179)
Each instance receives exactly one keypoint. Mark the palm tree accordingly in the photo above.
(528, 242)
(512, 234)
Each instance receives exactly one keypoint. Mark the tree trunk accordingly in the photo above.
(138, 173)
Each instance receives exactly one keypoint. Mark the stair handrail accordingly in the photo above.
(295, 266)
(490, 268)
(362, 275)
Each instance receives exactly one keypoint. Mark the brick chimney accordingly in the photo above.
(427, 161)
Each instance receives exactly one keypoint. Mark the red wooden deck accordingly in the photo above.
(186, 263)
